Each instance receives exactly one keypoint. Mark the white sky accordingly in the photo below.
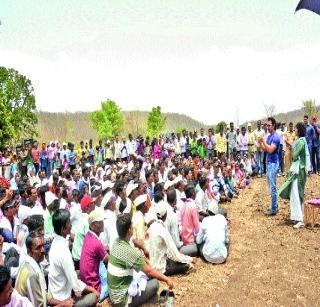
(199, 58)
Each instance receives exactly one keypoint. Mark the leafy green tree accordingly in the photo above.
(156, 121)
(108, 121)
(309, 107)
(17, 107)
(220, 126)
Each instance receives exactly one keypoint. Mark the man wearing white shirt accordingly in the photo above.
(164, 255)
(62, 275)
(110, 234)
(213, 237)
(131, 145)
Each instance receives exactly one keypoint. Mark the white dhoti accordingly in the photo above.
(296, 207)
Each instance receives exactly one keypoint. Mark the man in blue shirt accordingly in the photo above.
(271, 147)
(310, 135)
(315, 157)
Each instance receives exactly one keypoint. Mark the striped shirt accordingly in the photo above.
(122, 261)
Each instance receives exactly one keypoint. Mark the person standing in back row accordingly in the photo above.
(271, 147)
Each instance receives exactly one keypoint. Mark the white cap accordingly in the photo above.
(161, 208)
(24, 213)
(50, 198)
(108, 184)
(106, 199)
(249, 124)
(130, 188)
(213, 207)
(96, 215)
(168, 184)
(140, 200)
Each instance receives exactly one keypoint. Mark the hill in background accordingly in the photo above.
(77, 126)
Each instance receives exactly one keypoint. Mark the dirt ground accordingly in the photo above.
(270, 263)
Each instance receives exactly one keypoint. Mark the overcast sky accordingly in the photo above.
(208, 59)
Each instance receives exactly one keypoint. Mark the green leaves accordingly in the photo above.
(108, 121)
(310, 108)
(156, 121)
(220, 126)
(17, 107)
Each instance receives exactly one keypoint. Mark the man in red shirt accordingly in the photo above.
(94, 257)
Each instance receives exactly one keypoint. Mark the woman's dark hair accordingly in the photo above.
(35, 221)
(32, 235)
(4, 277)
(123, 225)
(188, 190)
(60, 219)
(301, 130)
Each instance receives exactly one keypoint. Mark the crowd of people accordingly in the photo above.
(82, 223)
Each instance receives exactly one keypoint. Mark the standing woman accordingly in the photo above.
(293, 187)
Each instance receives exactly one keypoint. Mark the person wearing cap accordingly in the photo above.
(82, 227)
(132, 194)
(213, 236)
(94, 257)
(123, 261)
(138, 219)
(109, 235)
(52, 203)
(63, 280)
(24, 214)
(164, 255)
(315, 155)
(9, 223)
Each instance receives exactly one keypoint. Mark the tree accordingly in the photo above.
(17, 107)
(270, 110)
(108, 121)
(220, 126)
(156, 121)
(309, 107)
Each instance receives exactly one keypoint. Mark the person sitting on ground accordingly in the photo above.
(63, 280)
(31, 281)
(138, 219)
(87, 205)
(94, 257)
(213, 236)
(202, 199)
(164, 255)
(109, 235)
(172, 222)
(190, 224)
(123, 261)
(9, 297)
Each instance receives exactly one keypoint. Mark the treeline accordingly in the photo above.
(77, 126)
